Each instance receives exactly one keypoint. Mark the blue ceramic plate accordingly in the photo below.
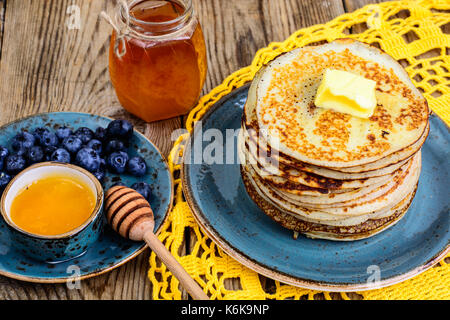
(221, 205)
(110, 251)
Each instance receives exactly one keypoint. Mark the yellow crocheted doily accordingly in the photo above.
(413, 32)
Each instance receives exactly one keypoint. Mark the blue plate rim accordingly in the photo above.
(260, 267)
(137, 252)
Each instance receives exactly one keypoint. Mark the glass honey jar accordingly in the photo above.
(157, 58)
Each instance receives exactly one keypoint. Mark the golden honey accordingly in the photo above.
(160, 78)
(53, 205)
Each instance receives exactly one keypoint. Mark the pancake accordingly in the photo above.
(329, 198)
(288, 120)
(367, 204)
(382, 167)
(251, 133)
(359, 231)
(323, 173)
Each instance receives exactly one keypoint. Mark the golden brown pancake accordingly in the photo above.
(363, 230)
(323, 173)
(289, 121)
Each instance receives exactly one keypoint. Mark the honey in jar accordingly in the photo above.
(53, 205)
(158, 64)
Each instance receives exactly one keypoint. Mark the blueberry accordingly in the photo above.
(60, 155)
(136, 166)
(88, 159)
(48, 151)
(117, 161)
(4, 180)
(99, 174)
(72, 144)
(114, 145)
(85, 134)
(15, 163)
(143, 188)
(48, 139)
(102, 163)
(35, 154)
(96, 145)
(120, 129)
(22, 141)
(38, 133)
(3, 152)
(63, 132)
(100, 134)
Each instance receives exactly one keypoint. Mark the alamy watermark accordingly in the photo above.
(73, 22)
(74, 279)
(214, 146)
(374, 278)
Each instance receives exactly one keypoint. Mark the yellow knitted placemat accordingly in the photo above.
(414, 33)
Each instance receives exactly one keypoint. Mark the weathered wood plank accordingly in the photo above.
(235, 30)
(352, 5)
(62, 69)
(54, 68)
(2, 20)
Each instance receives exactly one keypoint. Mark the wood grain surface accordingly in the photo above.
(45, 66)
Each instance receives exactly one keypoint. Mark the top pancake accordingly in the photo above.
(290, 122)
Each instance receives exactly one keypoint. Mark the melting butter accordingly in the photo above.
(346, 92)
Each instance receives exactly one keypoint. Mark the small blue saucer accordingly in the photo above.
(111, 250)
(222, 207)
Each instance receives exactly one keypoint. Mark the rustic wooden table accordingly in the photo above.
(46, 66)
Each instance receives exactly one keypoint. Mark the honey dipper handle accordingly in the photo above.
(175, 267)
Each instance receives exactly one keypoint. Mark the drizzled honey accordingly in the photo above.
(162, 77)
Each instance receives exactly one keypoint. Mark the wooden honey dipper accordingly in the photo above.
(130, 215)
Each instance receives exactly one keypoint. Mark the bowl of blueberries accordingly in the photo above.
(114, 152)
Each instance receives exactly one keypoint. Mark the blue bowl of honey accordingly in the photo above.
(54, 211)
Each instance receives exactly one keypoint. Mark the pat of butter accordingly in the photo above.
(346, 92)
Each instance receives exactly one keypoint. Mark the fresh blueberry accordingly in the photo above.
(60, 155)
(72, 144)
(38, 133)
(4, 180)
(117, 161)
(100, 134)
(63, 132)
(22, 141)
(89, 159)
(99, 174)
(48, 139)
(96, 145)
(114, 145)
(21, 152)
(120, 129)
(3, 152)
(85, 134)
(136, 166)
(15, 163)
(102, 163)
(35, 154)
(143, 188)
(48, 151)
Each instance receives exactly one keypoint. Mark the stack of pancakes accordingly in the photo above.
(323, 173)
